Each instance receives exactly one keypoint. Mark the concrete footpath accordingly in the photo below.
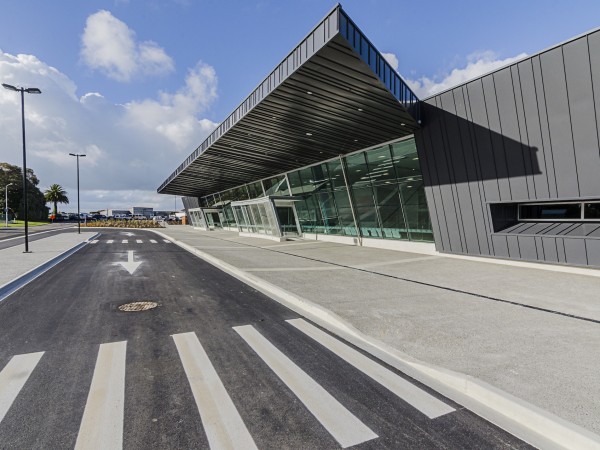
(523, 340)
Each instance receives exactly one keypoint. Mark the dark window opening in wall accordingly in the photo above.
(592, 210)
(550, 211)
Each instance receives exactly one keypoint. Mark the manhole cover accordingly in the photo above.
(138, 306)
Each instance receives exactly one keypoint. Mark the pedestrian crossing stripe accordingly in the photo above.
(102, 423)
(14, 376)
(416, 397)
(221, 420)
(126, 241)
(346, 428)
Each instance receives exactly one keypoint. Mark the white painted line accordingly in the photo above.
(125, 241)
(13, 377)
(222, 423)
(139, 241)
(102, 423)
(152, 241)
(95, 241)
(294, 269)
(411, 394)
(110, 241)
(166, 241)
(339, 422)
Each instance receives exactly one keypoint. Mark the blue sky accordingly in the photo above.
(138, 84)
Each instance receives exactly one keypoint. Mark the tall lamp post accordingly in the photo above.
(6, 203)
(22, 90)
(78, 213)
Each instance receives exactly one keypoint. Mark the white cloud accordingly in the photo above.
(392, 59)
(109, 45)
(174, 115)
(131, 149)
(477, 65)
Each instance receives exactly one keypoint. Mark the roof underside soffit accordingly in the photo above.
(332, 104)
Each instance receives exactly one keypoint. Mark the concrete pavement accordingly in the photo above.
(532, 333)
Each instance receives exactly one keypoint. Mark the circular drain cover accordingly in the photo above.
(138, 306)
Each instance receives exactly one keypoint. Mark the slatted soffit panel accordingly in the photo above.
(332, 95)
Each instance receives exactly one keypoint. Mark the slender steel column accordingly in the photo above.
(78, 210)
(22, 90)
(358, 234)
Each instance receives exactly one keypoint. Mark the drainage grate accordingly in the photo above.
(138, 306)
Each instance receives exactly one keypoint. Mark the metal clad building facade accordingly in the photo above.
(511, 160)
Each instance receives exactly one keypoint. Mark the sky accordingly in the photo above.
(137, 85)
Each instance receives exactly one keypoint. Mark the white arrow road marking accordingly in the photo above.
(129, 233)
(130, 265)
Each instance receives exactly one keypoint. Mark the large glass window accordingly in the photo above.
(386, 196)
(276, 186)
(380, 164)
(357, 170)
(364, 204)
(255, 190)
(415, 207)
(406, 161)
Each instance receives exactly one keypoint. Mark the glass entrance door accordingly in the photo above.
(287, 220)
(213, 220)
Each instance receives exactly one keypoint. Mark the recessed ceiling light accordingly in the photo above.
(355, 140)
(408, 186)
(416, 159)
(402, 124)
(309, 92)
(309, 134)
(360, 109)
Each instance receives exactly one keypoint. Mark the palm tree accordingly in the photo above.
(56, 194)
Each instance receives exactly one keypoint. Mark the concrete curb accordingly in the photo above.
(16, 284)
(520, 418)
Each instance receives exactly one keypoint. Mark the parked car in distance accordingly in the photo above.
(139, 217)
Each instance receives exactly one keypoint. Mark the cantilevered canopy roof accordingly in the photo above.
(334, 94)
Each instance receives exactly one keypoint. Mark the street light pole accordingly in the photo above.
(6, 203)
(22, 90)
(78, 212)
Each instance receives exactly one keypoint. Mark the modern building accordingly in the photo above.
(334, 145)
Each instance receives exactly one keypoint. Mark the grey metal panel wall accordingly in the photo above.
(526, 132)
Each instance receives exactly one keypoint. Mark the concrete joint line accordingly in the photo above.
(16, 284)
(520, 418)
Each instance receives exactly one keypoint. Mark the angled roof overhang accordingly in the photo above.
(333, 94)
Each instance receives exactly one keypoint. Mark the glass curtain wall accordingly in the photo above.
(386, 190)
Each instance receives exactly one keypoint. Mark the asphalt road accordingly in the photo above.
(216, 364)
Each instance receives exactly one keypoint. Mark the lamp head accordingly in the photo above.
(10, 87)
(33, 91)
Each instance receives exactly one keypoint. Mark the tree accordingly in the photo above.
(56, 194)
(35, 198)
